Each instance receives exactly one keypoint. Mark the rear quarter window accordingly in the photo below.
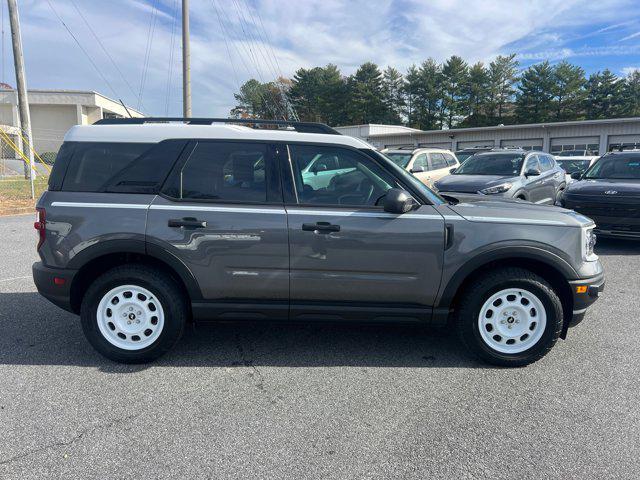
(93, 164)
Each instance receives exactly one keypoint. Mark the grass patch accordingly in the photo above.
(15, 194)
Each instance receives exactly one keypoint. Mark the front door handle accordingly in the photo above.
(320, 227)
(188, 222)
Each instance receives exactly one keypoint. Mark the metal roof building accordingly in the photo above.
(553, 137)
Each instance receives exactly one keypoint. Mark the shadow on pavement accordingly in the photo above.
(617, 246)
(34, 332)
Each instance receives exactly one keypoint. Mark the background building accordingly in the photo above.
(596, 135)
(53, 112)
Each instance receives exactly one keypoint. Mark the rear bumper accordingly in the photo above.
(57, 292)
(585, 292)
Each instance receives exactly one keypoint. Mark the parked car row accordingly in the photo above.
(606, 189)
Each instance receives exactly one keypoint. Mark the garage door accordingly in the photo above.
(526, 144)
(575, 143)
(443, 145)
(476, 143)
(624, 141)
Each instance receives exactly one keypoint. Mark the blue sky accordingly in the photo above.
(234, 40)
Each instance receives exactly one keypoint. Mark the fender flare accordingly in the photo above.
(141, 247)
(549, 258)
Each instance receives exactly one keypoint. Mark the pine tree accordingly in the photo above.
(503, 75)
(429, 101)
(393, 95)
(568, 91)
(366, 96)
(631, 94)
(455, 73)
(604, 96)
(476, 96)
(533, 101)
(318, 95)
(411, 95)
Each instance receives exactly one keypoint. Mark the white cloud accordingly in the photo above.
(301, 33)
(629, 37)
(626, 71)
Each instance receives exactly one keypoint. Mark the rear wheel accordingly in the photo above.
(133, 314)
(510, 317)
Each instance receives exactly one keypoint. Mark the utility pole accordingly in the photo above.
(21, 81)
(186, 62)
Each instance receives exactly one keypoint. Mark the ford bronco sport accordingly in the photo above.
(148, 224)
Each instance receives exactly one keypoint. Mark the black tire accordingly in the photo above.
(167, 292)
(482, 289)
(558, 200)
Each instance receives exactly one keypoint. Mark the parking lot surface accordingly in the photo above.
(281, 401)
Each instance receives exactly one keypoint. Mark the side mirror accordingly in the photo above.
(532, 172)
(417, 169)
(453, 170)
(576, 175)
(398, 201)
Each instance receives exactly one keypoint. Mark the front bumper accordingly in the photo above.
(54, 284)
(585, 292)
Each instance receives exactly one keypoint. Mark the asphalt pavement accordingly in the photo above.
(309, 402)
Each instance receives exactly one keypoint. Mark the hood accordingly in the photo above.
(471, 183)
(477, 208)
(600, 187)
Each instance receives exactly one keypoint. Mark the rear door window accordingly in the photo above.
(222, 171)
(451, 160)
(437, 161)
(545, 163)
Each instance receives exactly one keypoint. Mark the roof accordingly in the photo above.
(518, 126)
(156, 132)
(416, 149)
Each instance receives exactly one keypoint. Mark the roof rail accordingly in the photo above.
(302, 127)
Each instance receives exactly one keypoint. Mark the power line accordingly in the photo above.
(171, 56)
(83, 50)
(106, 52)
(269, 48)
(251, 40)
(249, 55)
(226, 45)
(147, 52)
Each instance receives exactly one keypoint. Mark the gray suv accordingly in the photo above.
(514, 173)
(149, 224)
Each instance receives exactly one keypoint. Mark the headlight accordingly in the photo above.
(503, 187)
(588, 243)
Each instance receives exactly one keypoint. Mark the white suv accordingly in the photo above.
(427, 164)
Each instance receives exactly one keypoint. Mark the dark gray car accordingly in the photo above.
(532, 176)
(146, 227)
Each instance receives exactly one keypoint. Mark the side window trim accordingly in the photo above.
(273, 179)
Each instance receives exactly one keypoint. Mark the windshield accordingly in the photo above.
(573, 166)
(492, 164)
(400, 159)
(462, 156)
(616, 167)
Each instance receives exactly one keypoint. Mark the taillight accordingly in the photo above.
(40, 225)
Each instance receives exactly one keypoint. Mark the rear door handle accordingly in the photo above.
(320, 227)
(188, 222)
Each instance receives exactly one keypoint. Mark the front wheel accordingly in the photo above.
(133, 314)
(510, 317)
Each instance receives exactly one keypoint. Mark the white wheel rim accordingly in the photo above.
(512, 320)
(130, 317)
